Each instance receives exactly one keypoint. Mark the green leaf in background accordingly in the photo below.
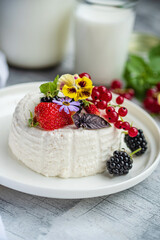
(154, 59)
(154, 52)
(50, 88)
(142, 75)
(136, 65)
(155, 64)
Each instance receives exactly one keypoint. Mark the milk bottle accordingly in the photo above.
(102, 32)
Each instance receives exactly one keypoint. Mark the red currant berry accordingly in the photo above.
(132, 132)
(151, 92)
(131, 91)
(118, 124)
(102, 89)
(127, 96)
(110, 109)
(126, 125)
(158, 86)
(119, 100)
(113, 117)
(116, 84)
(84, 75)
(148, 103)
(102, 104)
(122, 111)
(95, 89)
(95, 95)
(96, 103)
(155, 108)
(107, 96)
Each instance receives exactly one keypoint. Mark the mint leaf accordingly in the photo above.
(155, 64)
(154, 52)
(55, 82)
(142, 75)
(139, 75)
(154, 59)
(50, 88)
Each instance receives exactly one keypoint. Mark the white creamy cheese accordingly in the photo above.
(66, 152)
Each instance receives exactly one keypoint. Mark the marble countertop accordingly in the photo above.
(131, 214)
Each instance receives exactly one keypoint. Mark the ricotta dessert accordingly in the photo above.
(61, 132)
(65, 152)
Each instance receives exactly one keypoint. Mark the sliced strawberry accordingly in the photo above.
(91, 108)
(49, 118)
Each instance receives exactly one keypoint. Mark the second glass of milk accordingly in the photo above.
(102, 33)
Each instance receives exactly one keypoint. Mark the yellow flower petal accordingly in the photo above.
(66, 79)
(83, 82)
(70, 92)
(83, 93)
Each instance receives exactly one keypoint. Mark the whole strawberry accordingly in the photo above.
(49, 117)
(91, 108)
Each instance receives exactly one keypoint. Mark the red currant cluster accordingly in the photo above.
(151, 102)
(116, 87)
(101, 97)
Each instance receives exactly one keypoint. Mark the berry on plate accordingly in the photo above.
(116, 84)
(118, 124)
(91, 108)
(119, 100)
(132, 132)
(102, 104)
(112, 117)
(120, 163)
(122, 111)
(49, 117)
(46, 99)
(81, 75)
(95, 94)
(133, 143)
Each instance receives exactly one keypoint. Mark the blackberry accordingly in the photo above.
(133, 143)
(46, 99)
(119, 164)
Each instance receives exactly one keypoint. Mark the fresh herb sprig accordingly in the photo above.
(50, 88)
(141, 74)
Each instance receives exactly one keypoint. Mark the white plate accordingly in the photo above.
(17, 176)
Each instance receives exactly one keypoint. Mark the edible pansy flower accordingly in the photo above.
(66, 79)
(75, 87)
(67, 105)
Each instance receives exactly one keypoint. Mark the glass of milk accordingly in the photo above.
(34, 33)
(102, 33)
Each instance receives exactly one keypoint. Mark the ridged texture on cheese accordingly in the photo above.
(67, 152)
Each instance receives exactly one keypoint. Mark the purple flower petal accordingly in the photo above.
(66, 109)
(57, 102)
(75, 103)
(61, 108)
(68, 99)
(73, 108)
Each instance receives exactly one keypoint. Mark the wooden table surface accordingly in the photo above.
(128, 215)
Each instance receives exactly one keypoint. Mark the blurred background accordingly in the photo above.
(32, 55)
